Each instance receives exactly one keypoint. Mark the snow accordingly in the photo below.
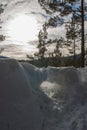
(42, 98)
(18, 107)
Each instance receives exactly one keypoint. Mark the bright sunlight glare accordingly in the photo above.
(23, 28)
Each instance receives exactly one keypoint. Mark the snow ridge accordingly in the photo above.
(42, 99)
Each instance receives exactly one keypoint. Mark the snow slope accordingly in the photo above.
(18, 107)
(42, 99)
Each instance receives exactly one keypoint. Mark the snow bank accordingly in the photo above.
(42, 99)
(67, 88)
(65, 106)
(62, 83)
(18, 107)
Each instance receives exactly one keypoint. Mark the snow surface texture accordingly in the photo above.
(42, 99)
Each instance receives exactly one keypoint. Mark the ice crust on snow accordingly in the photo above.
(42, 99)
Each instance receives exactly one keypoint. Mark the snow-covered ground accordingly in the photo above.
(42, 99)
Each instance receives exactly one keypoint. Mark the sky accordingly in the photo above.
(21, 22)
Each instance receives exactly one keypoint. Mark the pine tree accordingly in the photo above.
(73, 32)
(42, 36)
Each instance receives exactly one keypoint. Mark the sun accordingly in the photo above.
(23, 28)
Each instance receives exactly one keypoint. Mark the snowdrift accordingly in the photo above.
(18, 107)
(42, 99)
